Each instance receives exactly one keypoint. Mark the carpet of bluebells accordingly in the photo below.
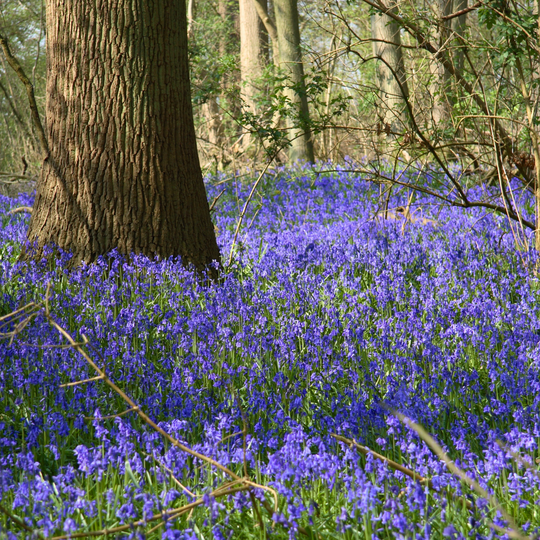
(328, 316)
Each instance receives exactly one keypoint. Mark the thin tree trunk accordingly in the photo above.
(15, 112)
(459, 27)
(253, 54)
(214, 129)
(190, 18)
(440, 77)
(123, 171)
(262, 10)
(291, 63)
(391, 79)
(229, 100)
(327, 133)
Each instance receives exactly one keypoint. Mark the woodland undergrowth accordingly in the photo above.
(368, 366)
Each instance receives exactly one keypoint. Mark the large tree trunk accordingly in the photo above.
(253, 54)
(123, 171)
(391, 79)
(286, 12)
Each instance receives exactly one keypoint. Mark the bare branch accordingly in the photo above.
(246, 204)
(270, 26)
(461, 12)
(27, 209)
(443, 58)
(16, 66)
(216, 199)
(392, 464)
(108, 417)
(67, 385)
(21, 524)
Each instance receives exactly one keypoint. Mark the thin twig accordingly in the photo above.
(21, 524)
(227, 437)
(20, 327)
(246, 204)
(22, 310)
(396, 466)
(165, 515)
(216, 199)
(47, 296)
(461, 12)
(454, 469)
(133, 405)
(519, 458)
(98, 378)
(108, 417)
(170, 471)
(27, 209)
(4, 335)
(392, 464)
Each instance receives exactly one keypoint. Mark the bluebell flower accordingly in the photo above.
(69, 526)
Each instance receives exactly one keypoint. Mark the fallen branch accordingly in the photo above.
(392, 464)
(21, 524)
(167, 515)
(242, 483)
(463, 476)
(19, 209)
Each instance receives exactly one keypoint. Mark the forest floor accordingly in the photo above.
(300, 379)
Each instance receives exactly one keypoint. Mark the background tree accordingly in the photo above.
(214, 49)
(478, 60)
(391, 78)
(122, 171)
(459, 29)
(253, 56)
(291, 64)
(441, 78)
(261, 7)
(22, 24)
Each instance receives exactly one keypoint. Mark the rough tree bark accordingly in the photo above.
(253, 53)
(122, 171)
(288, 29)
(391, 78)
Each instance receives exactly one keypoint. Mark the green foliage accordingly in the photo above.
(273, 104)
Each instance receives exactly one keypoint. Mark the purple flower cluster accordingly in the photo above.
(329, 315)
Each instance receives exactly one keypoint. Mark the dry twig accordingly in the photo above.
(19, 209)
(454, 469)
(238, 483)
